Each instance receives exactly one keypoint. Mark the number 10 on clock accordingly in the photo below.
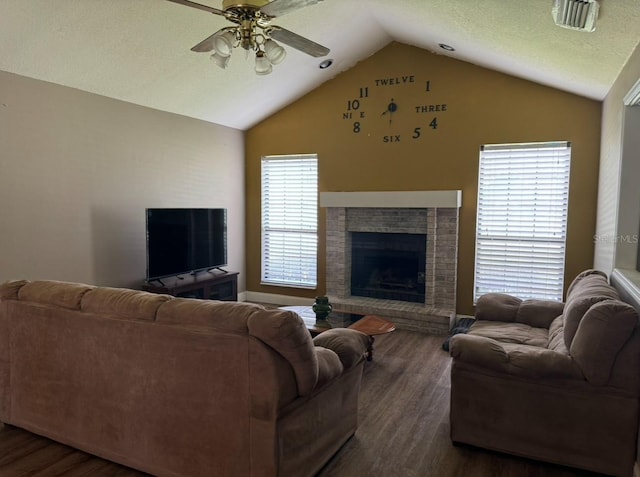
(353, 109)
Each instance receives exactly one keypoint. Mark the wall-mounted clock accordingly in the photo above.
(383, 101)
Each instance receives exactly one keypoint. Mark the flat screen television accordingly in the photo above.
(181, 241)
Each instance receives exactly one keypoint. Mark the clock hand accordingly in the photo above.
(392, 107)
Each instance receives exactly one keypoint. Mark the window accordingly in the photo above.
(290, 220)
(523, 196)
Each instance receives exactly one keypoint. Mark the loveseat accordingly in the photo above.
(551, 381)
(175, 386)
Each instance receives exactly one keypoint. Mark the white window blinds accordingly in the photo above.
(290, 220)
(523, 196)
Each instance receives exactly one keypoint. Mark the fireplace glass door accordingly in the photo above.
(388, 266)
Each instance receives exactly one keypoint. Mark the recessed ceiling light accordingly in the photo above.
(446, 47)
(325, 64)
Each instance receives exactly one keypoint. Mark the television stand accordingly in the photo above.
(156, 280)
(211, 286)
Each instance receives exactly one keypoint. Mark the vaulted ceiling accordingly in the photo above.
(139, 50)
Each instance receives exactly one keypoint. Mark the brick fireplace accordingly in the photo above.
(432, 214)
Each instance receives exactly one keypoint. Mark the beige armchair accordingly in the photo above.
(551, 381)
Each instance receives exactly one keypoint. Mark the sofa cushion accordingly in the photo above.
(49, 292)
(508, 308)
(124, 303)
(511, 358)
(602, 333)
(589, 288)
(226, 316)
(517, 333)
(497, 307)
(539, 313)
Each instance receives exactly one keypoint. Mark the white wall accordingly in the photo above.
(77, 171)
(626, 244)
(611, 155)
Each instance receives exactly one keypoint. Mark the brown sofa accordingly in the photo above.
(551, 381)
(176, 387)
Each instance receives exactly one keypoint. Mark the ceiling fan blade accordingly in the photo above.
(278, 8)
(200, 7)
(206, 44)
(298, 42)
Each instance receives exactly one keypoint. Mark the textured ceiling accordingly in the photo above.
(138, 50)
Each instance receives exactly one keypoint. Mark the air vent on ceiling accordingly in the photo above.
(575, 14)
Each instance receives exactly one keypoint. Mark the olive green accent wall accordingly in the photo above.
(482, 107)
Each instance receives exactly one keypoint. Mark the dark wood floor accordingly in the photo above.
(404, 421)
(403, 431)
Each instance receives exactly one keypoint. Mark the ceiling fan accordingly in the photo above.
(254, 32)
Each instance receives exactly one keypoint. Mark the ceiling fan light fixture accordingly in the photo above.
(263, 65)
(221, 61)
(253, 32)
(575, 14)
(274, 52)
(224, 43)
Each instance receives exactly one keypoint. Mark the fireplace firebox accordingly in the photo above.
(388, 266)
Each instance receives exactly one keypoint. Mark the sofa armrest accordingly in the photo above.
(350, 345)
(514, 359)
(479, 351)
(329, 366)
(9, 290)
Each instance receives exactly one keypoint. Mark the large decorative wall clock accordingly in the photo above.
(376, 107)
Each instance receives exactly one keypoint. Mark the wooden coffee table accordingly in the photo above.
(370, 325)
(373, 325)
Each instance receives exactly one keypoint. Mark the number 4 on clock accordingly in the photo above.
(434, 123)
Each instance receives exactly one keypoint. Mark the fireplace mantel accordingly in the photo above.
(393, 199)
